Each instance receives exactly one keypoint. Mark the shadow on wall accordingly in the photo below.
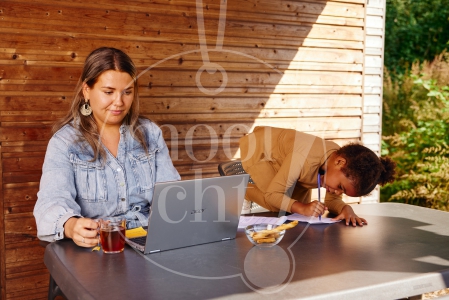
(292, 66)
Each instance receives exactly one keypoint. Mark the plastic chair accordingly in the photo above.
(234, 167)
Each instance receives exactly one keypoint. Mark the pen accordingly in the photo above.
(319, 188)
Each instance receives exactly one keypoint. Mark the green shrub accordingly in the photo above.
(415, 135)
(415, 31)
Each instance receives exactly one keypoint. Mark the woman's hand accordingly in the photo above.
(83, 231)
(313, 208)
(349, 216)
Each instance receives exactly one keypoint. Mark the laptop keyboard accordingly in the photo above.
(140, 240)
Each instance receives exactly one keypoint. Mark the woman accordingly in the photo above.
(285, 164)
(103, 158)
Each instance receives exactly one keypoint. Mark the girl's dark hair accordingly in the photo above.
(97, 62)
(365, 168)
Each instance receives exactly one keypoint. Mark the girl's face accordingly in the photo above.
(110, 98)
(335, 181)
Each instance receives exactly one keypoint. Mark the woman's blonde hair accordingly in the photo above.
(97, 62)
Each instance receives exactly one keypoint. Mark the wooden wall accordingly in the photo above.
(295, 64)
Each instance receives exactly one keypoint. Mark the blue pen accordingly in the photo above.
(319, 188)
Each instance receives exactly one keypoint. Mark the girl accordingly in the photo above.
(285, 164)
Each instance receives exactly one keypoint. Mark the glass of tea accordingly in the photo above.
(112, 235)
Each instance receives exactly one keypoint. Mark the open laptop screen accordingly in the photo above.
(191, 212)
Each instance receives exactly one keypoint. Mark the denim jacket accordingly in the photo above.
(72, 185)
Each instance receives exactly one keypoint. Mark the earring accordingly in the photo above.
(85, 109)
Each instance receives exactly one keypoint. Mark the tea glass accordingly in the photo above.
(112, 235)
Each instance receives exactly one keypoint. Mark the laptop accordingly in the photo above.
(192, 212)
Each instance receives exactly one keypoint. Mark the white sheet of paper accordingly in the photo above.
(250, 220)
(311, 220)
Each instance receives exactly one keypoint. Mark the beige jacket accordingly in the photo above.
(284, 164)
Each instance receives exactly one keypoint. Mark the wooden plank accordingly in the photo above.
(376, 3)
(374, 71)
(371, 138)
(29, 154)
(23, 134)
(353, 9)
(2, 230)
(374, 41)
(372, 100)
(193, 61)
(20, 239)
(264, 12)
(375, 11)
(262, 114)
(26, 283)
(195, 130)
(33, 294)
(19, 207)
(373, 80)
(371, 119)
(161, 51)
(375, 21)
(21, 177)
(25, 73)
(373, 61)
(178, 21)
(372, 110)
(177, 26)
(25, 266)
(39, 116)
(188, 78)
(36, 75)
(375, 31)
(23, 223)
(229, 142)
(20, 199)
(16, 164)
(151, 91)
(309, 35)
(24, 104)
(374, 51)
(24, 146)
(235, 88)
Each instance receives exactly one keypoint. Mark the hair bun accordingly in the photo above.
(388, 173)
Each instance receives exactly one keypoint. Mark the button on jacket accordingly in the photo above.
(284, 165)
(72, 185)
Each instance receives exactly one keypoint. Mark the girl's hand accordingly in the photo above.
(83, 231)
(349, 216)
(313, 208)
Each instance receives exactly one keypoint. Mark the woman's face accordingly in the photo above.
(335, 180)
(110, 98)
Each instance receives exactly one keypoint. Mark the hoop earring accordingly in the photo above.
(85, 109)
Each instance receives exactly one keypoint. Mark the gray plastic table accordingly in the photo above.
(404, 251)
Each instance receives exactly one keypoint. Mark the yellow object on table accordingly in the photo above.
(135, 232)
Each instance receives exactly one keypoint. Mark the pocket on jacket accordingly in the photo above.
(90, 180)
(143, 167)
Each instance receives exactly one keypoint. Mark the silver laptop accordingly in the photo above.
(192, 212)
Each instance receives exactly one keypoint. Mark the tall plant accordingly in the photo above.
(416, 126)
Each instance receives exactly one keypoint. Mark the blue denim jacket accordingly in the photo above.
(73, 185)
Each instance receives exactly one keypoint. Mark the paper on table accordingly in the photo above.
(311, 220)
(246, 221)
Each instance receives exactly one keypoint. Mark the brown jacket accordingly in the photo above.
(284, 164)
